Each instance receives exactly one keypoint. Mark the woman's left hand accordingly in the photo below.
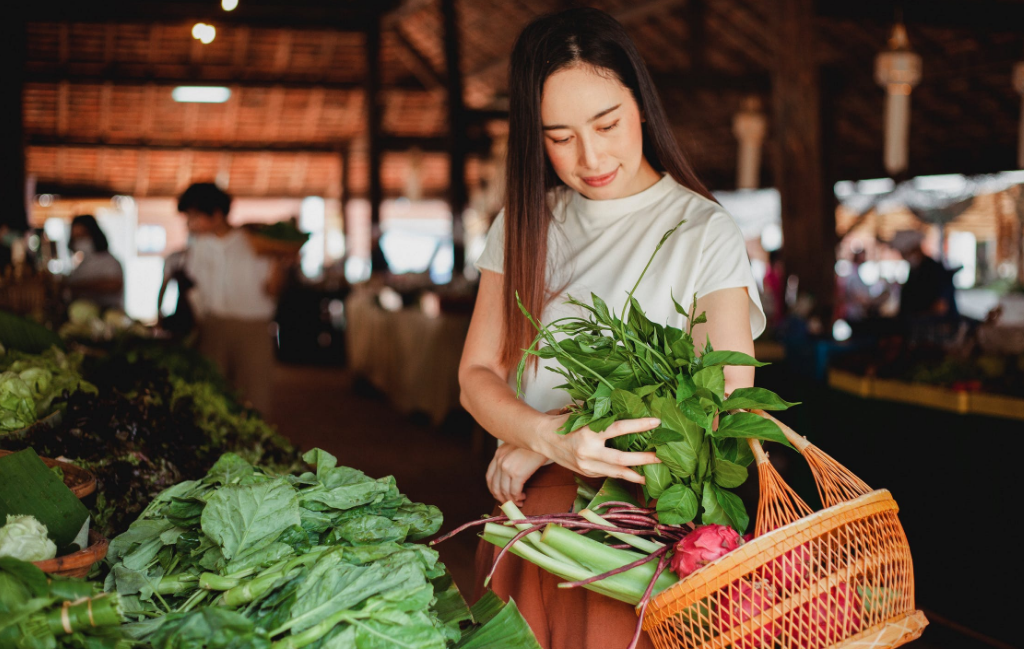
(511, 467)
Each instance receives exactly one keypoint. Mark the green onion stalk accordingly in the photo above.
(631, 569)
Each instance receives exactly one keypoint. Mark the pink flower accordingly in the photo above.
(744, 601)
(829, 618)
(702, 546)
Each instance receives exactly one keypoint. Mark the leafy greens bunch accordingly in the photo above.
(30, 385)
(629, 367)
(321, 559)
(40, 611)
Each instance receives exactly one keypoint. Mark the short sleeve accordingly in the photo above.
(724, 264)
(493, 256)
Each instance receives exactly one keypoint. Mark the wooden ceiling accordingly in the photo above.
(99, 117)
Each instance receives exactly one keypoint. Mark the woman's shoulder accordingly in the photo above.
(698, 212)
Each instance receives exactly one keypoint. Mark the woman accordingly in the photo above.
(595, 178)
(98, 277)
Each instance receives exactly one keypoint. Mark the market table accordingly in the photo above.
(410, 356)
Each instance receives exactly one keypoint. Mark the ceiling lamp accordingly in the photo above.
(898, 70)
(201, 94)
(203, 32)
(229, 5)
(1018, 84)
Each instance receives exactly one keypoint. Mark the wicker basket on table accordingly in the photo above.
(840, 577)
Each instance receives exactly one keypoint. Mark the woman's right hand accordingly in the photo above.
(584, 452)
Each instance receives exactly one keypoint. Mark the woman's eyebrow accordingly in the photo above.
(594, 118)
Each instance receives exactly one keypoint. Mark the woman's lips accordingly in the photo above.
(600, 181)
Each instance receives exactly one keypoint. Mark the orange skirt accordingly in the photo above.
(560, 618)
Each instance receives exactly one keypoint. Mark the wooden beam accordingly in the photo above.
(106, 99)
(387, 143)
(208, 75)
(458, 195)
(418, 64)
(808, 229)
(349, 17)
(374, 119)
(12, 144)
(985, 16)
(632, 14)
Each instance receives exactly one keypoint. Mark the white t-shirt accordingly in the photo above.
(98, 266)
(601, 247)
(229, 277)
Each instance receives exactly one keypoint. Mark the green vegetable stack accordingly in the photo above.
(630, 368)
(39, 611)
(322, 559)
(282, 231)
(30, 384)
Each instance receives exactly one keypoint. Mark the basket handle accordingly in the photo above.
(836, 483)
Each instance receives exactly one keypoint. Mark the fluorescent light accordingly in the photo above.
(201, 94)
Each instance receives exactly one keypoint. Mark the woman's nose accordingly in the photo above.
(590, 156)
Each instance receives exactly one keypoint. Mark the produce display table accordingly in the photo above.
(928, 396)
(411, 357)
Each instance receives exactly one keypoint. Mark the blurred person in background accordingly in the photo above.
(235, 294)
(98, 276)
(862, 300)
(928, 291)
(774, 297)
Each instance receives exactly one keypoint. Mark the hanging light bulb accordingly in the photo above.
(229, 5)
(1018, 84)
(204, 33)
(898, 70)
(749, 126)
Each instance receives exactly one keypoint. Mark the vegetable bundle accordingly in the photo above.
(38, 611)
(628, 368)
(322, 559)
(30, 384)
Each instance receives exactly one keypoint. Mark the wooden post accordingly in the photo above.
(12, 133)
(374, 117)
(458, 196)
(345, 159)
(808, 229)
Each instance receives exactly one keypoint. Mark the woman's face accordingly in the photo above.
(593, 135)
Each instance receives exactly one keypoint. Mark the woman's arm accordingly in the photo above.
(728, 326)
(487, 396)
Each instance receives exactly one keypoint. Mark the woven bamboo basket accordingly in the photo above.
(78, 480)
(77, 564)
(840, 577)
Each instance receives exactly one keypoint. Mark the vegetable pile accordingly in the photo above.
(322, 559)
(630, 368)
(160, 416)
(33, 385)
(39, 611)
(282, 231)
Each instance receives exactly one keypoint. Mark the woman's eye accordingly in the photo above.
(605, 129)
(563, 141)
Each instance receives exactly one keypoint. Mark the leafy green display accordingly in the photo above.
(162, 414)
(245, 558)
(282, 231)
(39, 611)
(31, 385)
(628, 368)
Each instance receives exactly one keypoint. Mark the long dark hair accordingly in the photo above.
(551, 43)
(88, 221)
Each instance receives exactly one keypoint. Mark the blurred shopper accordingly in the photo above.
(98, 277)
(862, 300)
(235, 293)
(774, 297)
(928, 291)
